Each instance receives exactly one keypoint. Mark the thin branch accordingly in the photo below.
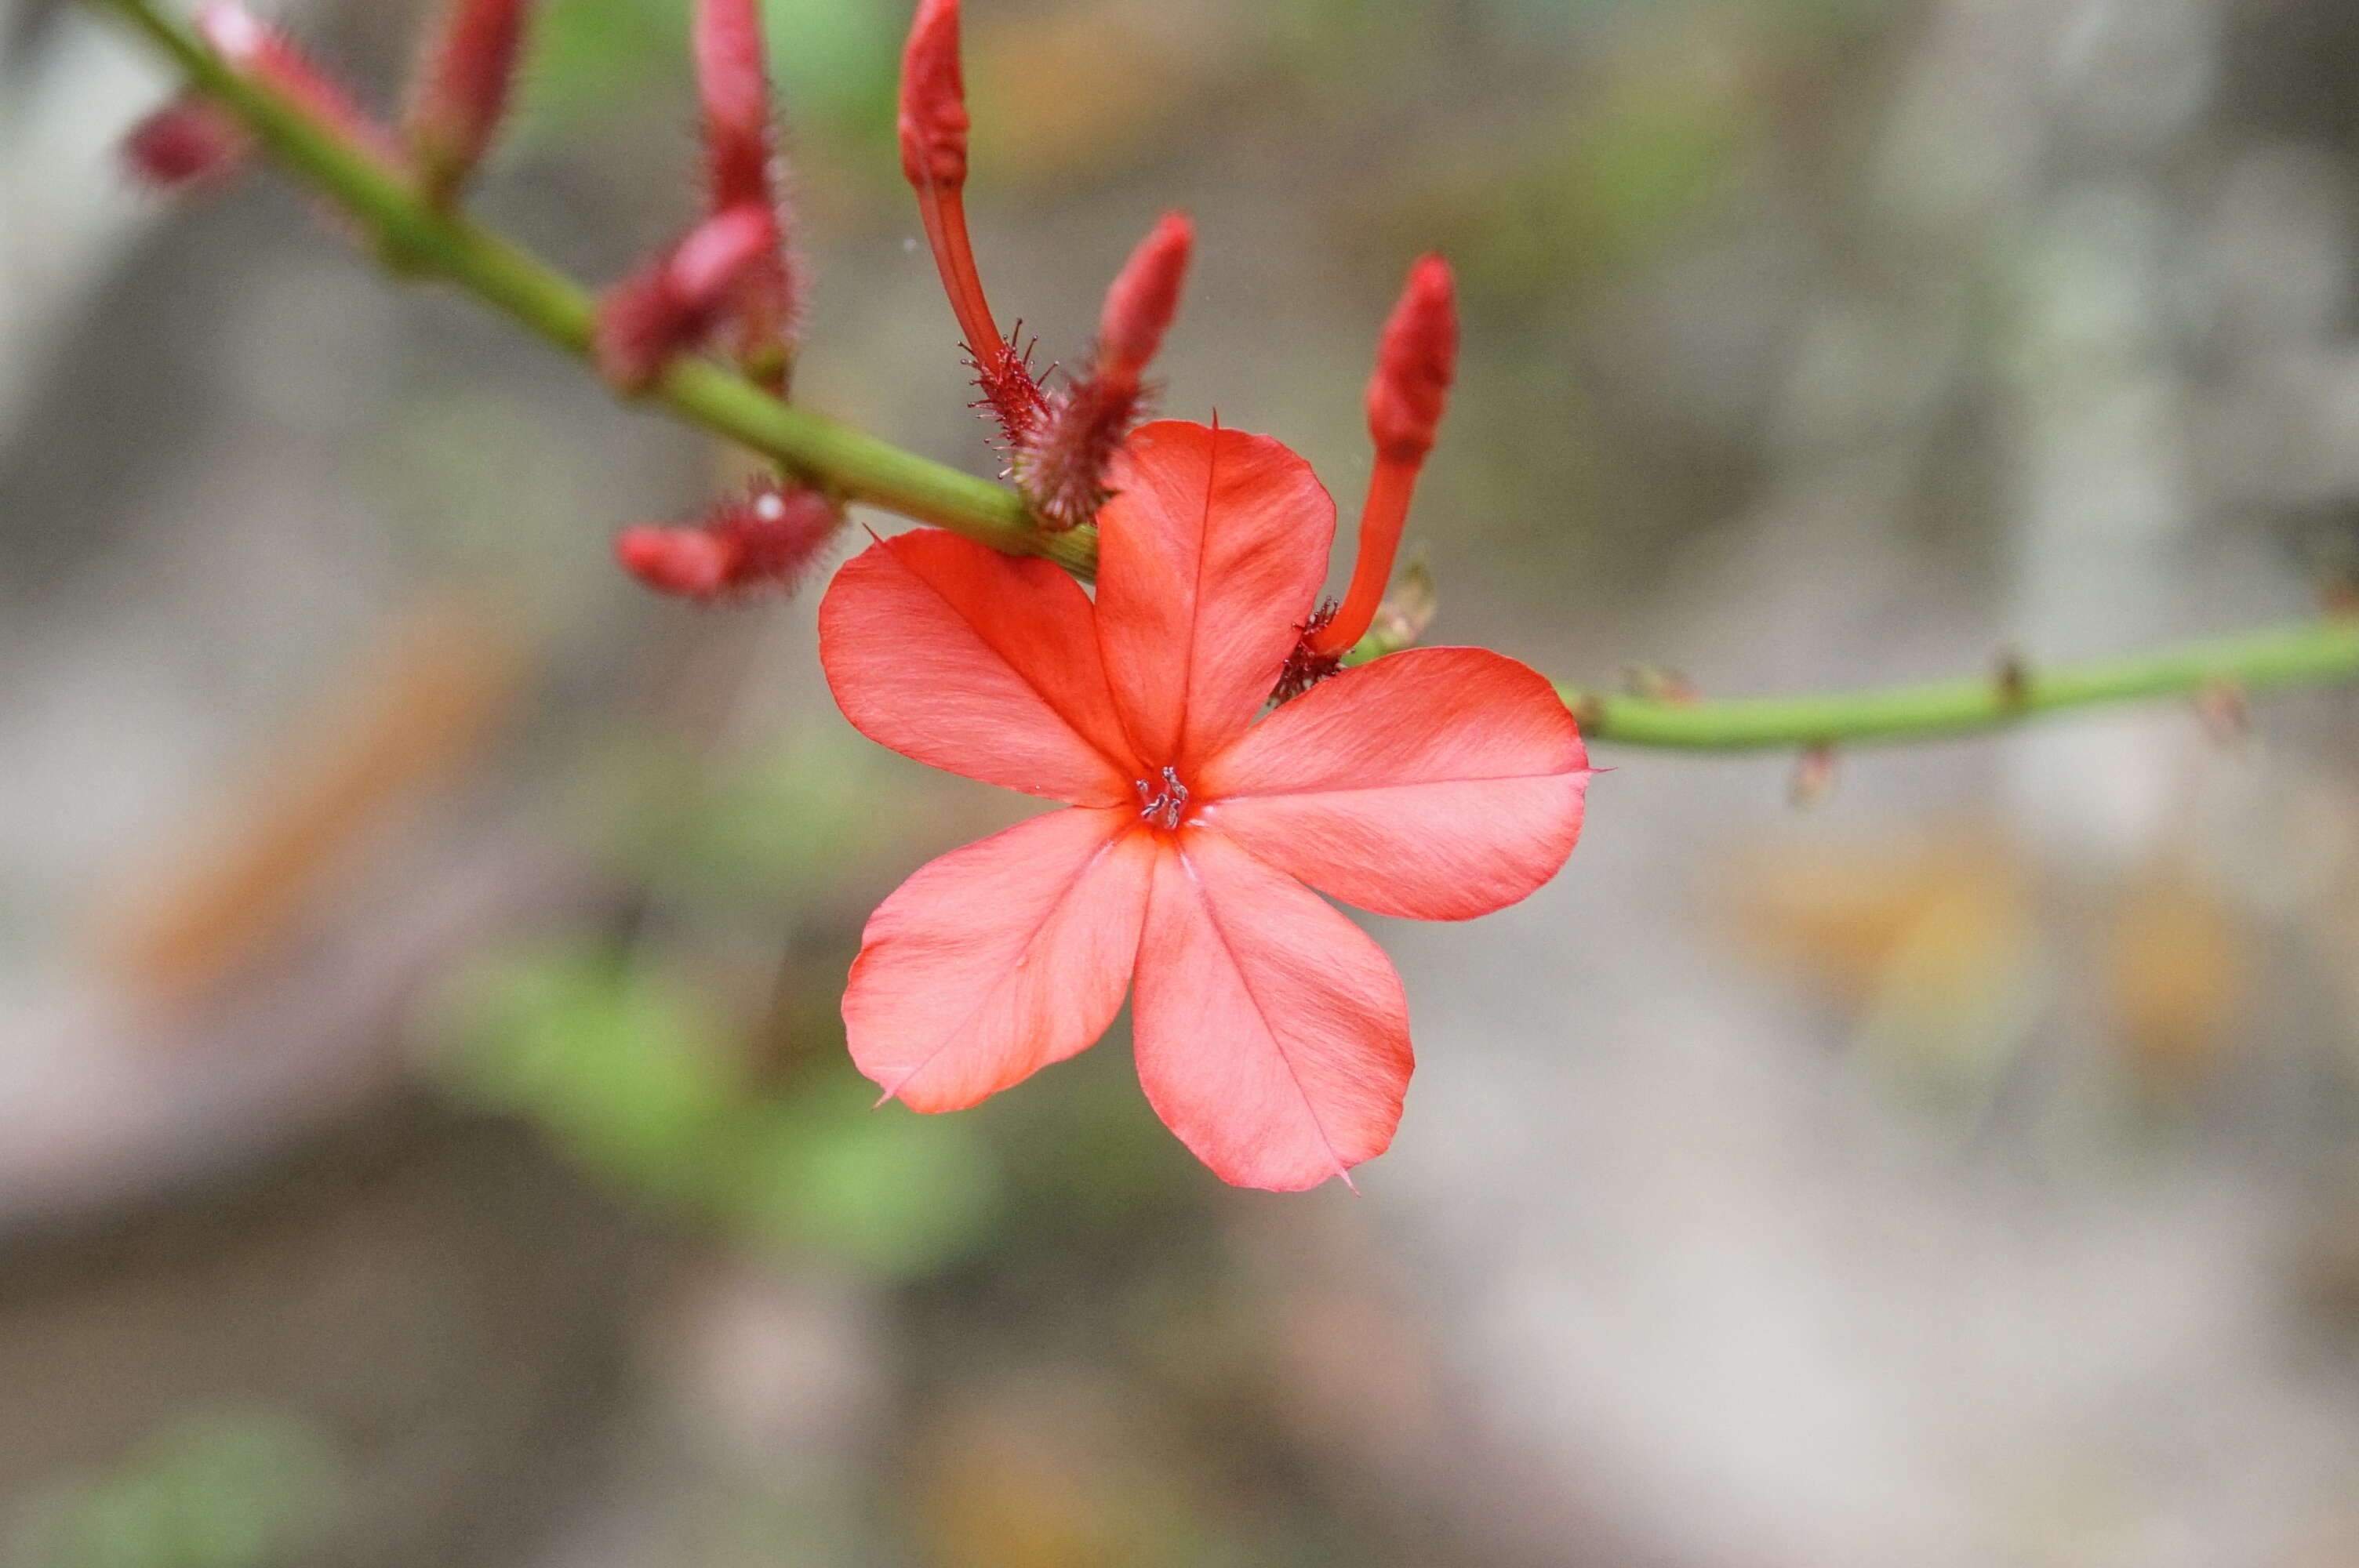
(2313, 654)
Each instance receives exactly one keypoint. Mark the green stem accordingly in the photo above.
(420, 237)
(2289, 655)
(423, 238)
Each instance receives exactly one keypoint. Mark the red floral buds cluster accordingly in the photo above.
(768, 538)
(734, 280)
(191, 139)
(1059, 438)
(459, 96)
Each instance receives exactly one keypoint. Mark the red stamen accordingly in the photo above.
(460, 91)
(1406, 397)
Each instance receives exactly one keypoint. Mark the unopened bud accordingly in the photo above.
(672, 304)
(1144, 298)
(717, 250)
(461, 93)
(933, 120)
(1415, 360)
(733, 84)
(189, 141)
(687, 563)
(768, 538)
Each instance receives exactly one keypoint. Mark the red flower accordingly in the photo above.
(1271, 1033)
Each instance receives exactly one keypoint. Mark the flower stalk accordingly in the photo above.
(853, 465)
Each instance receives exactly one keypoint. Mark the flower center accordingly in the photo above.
(1162, 806)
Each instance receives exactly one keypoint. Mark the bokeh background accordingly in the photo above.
(425, 1132)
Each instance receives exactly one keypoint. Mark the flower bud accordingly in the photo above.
(460, 91)
(1144, 298)
(673, 303)
(733, 86)
(933, 120)
(770, 537)
(1415, 360)
(189, 141)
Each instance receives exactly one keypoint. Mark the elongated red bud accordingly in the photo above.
(1059, 459)
(460, 91)
(733, 83)
(933, 120)
(673, 303)
(189, 141)
(687, 563)
(269, 57)
(1415, 360)
(933, 127)
(1144, 298)
(767, 539)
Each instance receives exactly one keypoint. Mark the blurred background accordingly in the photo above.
(425, 1131)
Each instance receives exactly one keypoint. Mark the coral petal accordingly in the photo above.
(1439, 783)
(1209, 555)
(1272, 1033)
(999, 958)
(979, 663)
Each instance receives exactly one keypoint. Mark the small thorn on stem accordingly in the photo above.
(2011, 680)
(1654, 683)
(2225, 711)
(1813, 778)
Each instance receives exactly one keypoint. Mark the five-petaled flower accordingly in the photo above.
(1271, 1033)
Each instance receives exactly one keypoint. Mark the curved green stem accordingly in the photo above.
(2289, 655)
(418, 236)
